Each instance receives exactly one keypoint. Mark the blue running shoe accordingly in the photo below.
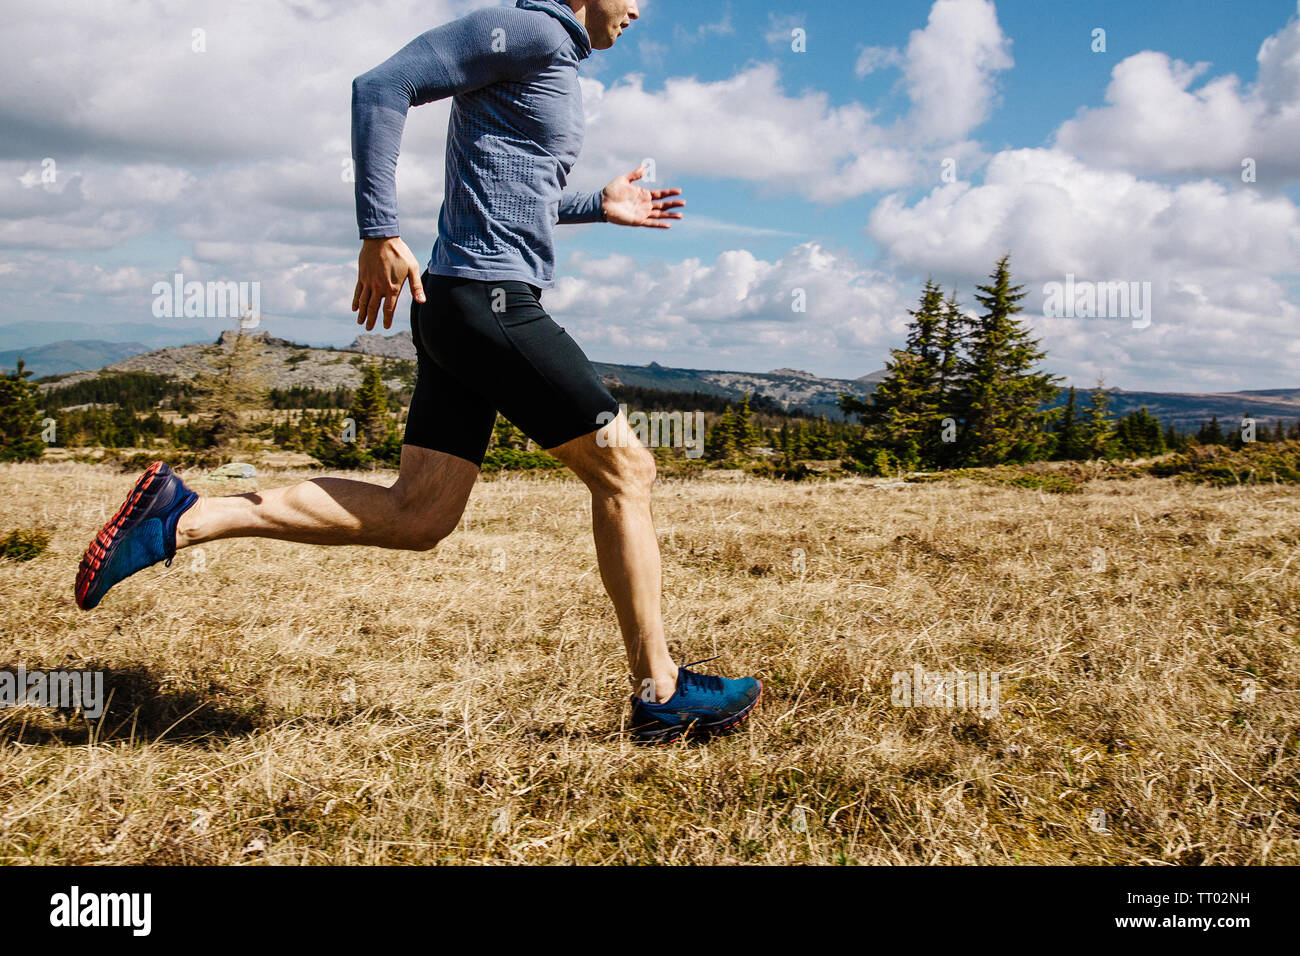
(142, 533)
(702, 706)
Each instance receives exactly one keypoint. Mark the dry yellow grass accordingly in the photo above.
(288, 704)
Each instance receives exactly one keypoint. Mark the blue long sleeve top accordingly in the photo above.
(516, 129)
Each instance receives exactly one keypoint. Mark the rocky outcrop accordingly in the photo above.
(398, 346)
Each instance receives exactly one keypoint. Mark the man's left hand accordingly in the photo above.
(628, 205)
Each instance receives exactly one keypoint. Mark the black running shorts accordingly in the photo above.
(489, 346)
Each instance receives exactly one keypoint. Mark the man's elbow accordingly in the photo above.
(377, 85)
(380, 87)
(363, 86)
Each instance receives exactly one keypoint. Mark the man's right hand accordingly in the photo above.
(384, 266)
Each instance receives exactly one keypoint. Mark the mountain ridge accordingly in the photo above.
(69, 355)
(793, 388)
(305, 366)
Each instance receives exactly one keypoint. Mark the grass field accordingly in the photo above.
(279, 703)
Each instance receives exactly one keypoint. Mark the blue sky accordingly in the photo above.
(817, 171)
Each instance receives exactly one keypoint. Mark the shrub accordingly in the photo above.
(1218, 465)
(514, 459)
(23, 544)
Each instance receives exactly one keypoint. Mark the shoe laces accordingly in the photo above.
(707, 681)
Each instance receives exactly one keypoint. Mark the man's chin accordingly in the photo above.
(608, 40)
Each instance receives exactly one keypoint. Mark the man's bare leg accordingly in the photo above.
(620, 480)
(426, 502)
(420, 509)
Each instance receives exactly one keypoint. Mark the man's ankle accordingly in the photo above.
(188, 531)
(658, 688)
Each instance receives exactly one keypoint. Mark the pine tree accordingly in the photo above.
(747, 433)
(1001, 395)
(799, 442)
(239, 384)
(905, 411)
(720, 440)
(1152, 434)
(370, 408)
(1069, 431)
(782, 442)
(951, 336)
(1173, 440)
(823, 442)
(882, 464)
(1098, 428)
(308, 433)
(20, 424)
(1138, 435)
(1233, 437)
(734, 435)
(1211, 433)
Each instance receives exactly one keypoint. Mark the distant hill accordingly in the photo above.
(288, 364)
(1187, 410)
(28, 335)
(791, 387)
(59, 358)
(292, 364)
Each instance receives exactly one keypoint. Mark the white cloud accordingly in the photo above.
(873, 58)
(685, 36)
(1217, 259)
(950, 68)
(1158, 121)
(780, 30)
(710, 224)
(125, 79)
(735, 311)
(1055, 214)
(757, 134)
(246, 140)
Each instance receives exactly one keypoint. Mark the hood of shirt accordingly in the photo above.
(564, 13)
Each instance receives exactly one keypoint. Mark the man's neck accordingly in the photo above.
(579, 8)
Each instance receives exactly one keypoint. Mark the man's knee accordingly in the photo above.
(425, 535)
(428, 497)
(418, 526)
(632, 475)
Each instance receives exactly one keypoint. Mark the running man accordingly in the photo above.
(484, 342)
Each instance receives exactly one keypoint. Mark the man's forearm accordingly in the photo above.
(582, 207)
